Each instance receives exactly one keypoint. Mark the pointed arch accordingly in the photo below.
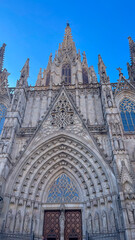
(66, 73)
(127, 112)
(63, 190)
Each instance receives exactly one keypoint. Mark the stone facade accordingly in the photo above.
(68, 126)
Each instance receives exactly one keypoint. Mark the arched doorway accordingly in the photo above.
(38, 172)
(64, 223)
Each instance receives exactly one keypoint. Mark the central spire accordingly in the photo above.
(68, 44)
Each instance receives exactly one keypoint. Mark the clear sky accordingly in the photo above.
(34, 28)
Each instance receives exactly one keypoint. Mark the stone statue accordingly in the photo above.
(96, 223)
(62, 225)
(112, 220)
(108, 97)
(116, 144)
(34, 226)
(18, 221)
(89, 224)
(26, 223)
(121, 145)
(104, 221)
(5, 148)
(130, 213)
(9, 221)
(117, 127)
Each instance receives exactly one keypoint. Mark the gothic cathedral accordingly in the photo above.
(67, 151)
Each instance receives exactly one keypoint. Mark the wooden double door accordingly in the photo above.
(72, 225)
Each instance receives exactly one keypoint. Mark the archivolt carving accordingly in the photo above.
(61, 152)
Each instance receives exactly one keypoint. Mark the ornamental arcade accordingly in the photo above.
(67, 151)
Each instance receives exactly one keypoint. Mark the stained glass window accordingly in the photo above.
(66, 73)
(3, 112)
(63, 190)
(127, 111)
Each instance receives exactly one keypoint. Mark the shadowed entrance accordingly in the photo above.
(72, 225)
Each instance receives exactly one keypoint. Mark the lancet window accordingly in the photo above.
(63, 190)
(48, 79)
(85, 76)
(66, 73)
(127, 111)
(3, 112)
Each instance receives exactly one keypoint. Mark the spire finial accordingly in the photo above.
(68, 25)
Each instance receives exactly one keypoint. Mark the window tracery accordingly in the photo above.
(62, 113)
(66, 73)
(127, 111)
(3, 112)
(63, 190)
(85, 76)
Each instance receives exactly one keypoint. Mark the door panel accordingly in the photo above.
(51, 225)
(73, 225)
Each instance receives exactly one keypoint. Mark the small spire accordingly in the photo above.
(132, 50)
(39, 78)
(2, 52)
(101, 65)
(24, 74)
(102, 71)
(84, 62)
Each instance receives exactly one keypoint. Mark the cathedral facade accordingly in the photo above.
(67, 151)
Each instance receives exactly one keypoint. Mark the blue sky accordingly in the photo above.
(34, 28)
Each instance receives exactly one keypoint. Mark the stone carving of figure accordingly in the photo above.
(34, 227)
(112, 220)
(121, 145)
(117, 127)
(89, 224)
(15, 103)
(116, 144)
(9, 221)
(18, 221)
(5, 148)
(130, 213)
(96, 223)
(104, 221)
(62, 225)
(26, 223)
(108, 97)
